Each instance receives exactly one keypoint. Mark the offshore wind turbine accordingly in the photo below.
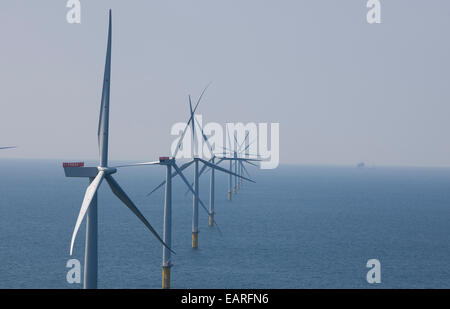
(196, 161)
(212, 177)
(96, 176)
(239, 171)
(238, 162)
(240, 152)
(194, 151)
(193, 122)
(167, 224)
(196, 201)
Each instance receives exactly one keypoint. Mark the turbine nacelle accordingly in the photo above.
(166, 160)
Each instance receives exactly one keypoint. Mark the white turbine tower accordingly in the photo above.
(96, 176)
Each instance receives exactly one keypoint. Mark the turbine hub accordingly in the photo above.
(107, 170)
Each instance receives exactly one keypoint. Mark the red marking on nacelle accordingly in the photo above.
(73, 164)
(163, 158)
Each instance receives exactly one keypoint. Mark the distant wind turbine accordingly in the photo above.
(196, 160)
(96, 176)
(234, 157)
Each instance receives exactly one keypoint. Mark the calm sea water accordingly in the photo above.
(298, 227)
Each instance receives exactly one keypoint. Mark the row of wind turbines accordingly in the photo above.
(105, 172)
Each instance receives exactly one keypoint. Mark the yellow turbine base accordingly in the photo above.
(166, 277)
(195, 240)
(211, 219)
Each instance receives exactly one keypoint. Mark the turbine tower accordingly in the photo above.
(96, 176)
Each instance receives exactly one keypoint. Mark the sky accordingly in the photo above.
(342, 90)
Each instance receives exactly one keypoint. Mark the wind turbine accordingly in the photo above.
(167, 225)
(238, 162)
(212, 177)
(96, 176)
(193, 122)
(241, 167)
(239, 173)
(196, 201)
(196, 161)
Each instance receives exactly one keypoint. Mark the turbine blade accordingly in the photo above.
(157, 187)
(248, 159)
(204, 136)
(189, 186)
(218, 227)
(245, 138)
(190, 119)
(229, 140)
(117, 190)
(180, 141)
(245, 170)
(8, 147)
(190, 104)
(248, 146)
(251, 163)
(179, 172)
(201, 96)
(88, 196)
(204, 167)
(241, 159)
(187, 191)
(207, 168)
(103, 122)
(138, 164)
(183, 167)
(204, 207)
(223, 170)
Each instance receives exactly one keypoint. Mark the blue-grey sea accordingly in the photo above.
(297, 227)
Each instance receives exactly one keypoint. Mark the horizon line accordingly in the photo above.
(367, 166)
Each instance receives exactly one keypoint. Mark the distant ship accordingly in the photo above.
(360, 165)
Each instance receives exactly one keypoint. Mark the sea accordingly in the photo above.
(296, 227)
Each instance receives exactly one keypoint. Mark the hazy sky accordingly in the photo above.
(342, 90)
